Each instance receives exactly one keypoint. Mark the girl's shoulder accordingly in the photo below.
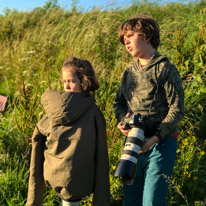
(43, 125)
(98, 113)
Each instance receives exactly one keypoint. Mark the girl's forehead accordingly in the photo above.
(68, 69)
(68, 72)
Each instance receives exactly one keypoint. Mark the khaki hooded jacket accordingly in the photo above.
(69, 150)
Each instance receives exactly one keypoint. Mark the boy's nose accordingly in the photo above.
(126, 41)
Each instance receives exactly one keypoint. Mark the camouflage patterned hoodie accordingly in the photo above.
(69, 150)
(138, 93)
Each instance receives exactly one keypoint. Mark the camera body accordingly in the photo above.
(135, 120)
(126, 167)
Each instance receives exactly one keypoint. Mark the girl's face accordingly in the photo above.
(71, 81)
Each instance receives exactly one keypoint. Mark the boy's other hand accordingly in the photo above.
(122, 128)
(147, 144)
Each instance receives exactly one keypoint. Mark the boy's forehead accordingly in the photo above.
(129, 32)
(125, 33)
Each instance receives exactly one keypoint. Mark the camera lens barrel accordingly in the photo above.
(126, 166)
(133, 145)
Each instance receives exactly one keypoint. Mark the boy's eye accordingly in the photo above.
(126, 37)
(129, 35)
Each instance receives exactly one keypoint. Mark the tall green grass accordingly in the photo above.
(33, 46)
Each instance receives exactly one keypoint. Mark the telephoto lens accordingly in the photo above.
(126, 167)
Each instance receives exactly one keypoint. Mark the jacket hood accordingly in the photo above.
(157, 58)
(65, 107)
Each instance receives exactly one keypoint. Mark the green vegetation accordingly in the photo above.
(33, 46)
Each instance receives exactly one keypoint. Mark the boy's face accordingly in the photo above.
(135, 44)
(71, 81)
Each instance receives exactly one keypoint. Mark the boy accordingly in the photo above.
(163, 105)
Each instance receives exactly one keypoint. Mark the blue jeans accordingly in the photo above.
(154, 169)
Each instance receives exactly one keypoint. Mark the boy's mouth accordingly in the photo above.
(129, 48)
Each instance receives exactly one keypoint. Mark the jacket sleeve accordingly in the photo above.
(175, 98)
(101, 183)
(120, 103)
(36, 180)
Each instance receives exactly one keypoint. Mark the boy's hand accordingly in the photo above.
(122, 128)
(147, 144)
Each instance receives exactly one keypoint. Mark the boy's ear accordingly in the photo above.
(148, 39)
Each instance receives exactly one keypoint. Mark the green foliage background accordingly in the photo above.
(33, 46)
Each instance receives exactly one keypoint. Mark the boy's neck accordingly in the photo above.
(147, 57)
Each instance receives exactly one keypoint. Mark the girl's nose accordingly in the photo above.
(67, 86)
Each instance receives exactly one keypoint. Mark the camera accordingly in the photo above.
(126, 167)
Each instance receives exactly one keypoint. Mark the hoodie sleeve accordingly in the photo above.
(175, 99)
(36, 180)
(101, 184)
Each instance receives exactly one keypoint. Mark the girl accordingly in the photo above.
(69, 145)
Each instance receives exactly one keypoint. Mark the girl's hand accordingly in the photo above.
(147, 144)
(122, 128)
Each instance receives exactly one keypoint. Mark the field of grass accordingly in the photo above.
(33, 46)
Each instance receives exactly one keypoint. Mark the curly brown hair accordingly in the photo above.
(84, 71)
(143, 24)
